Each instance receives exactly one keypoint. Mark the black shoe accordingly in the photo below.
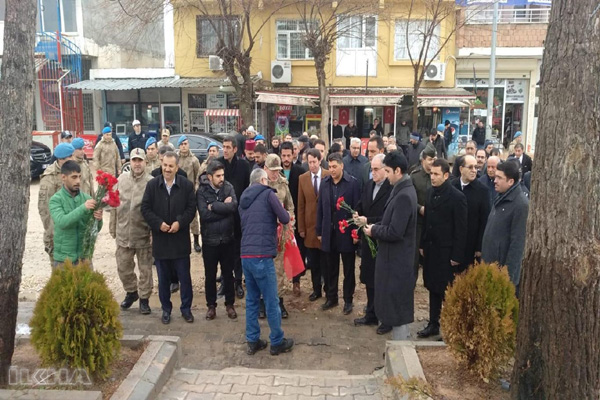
(383, 329)
(284, 313)
(166, 317)
(314, 296)
(197, 247)
(262, 314)
(239, 290)
(130, 298)
(144, 306)
(432, 329)
(283, 347)
(187, 315)
(221, 291)
(174, 287)
(329, 304)
(364, 321)
(253, 347)
(348, 308)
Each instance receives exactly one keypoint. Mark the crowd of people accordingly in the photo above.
(400, 194)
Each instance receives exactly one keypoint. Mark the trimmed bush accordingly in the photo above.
(75, 322)
(479, 319)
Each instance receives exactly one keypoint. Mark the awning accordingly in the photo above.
(444, 102)
(149, 83)
(305, 100)
(337, 100)
(222, 112)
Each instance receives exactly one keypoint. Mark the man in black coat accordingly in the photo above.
(217, 205)
(488, 178)
(396, 235)
(370, 208)
(237, 172)
(414, 150)
(525, 161)
(478, 135)
(351, 131)
(443, 241)
(478, 205)
(336, 129)
(169, 206)
(333, 241)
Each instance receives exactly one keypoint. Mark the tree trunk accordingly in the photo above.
(16, 121)
(415, 109)
(246, 93)
(324, 101)
(558, 352)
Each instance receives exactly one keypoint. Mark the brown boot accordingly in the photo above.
(296, 289)
(231, 312)
(211, 313)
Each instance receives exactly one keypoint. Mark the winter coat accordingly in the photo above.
(190, 164)
(478, 209)
(106, 157)
(137, 141)
(403, 135)
(422, 183)
(354, 166)
(448, 136)
(504, 236)
(307, 209)
(349, 133)
(117, 142)
(293, 183)
(237, 172)
(489, 185)
(394, 269)
(127, 224)
(328, 216)
(526, 164)
(86, 184)
(372, 209)
(151, 165)
(282, 191)
(259, 211)
(158, 207)
(216, 224)
(414, 154)
(440, 146)
(50, 183)
(478, 136)
(70, 217)
(444, 235)
(337, 131)
(378, 129)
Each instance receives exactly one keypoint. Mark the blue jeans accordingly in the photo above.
(164, 270)
(262, 279)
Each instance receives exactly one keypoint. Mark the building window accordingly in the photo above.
(290, 44)
(357, 32)
(196, 100)
(88, 112)
(419, 34)
(207, 38)
(50, 12)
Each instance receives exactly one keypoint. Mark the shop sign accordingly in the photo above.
(515, 90)
(216, 100)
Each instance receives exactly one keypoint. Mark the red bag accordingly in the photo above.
(292, 260)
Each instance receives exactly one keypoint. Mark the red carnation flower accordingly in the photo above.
(355, 234)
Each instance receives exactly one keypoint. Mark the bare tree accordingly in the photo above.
(558, 352)
(324, 23)
(16, 122)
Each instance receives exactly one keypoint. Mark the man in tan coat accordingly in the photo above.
(152, 159)
(87, 178)
(50, 183)
(190, 164)
(106, 154)
(280, 184)
(308, 193)
(132, 234)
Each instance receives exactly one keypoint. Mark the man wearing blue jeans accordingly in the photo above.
(259, 211)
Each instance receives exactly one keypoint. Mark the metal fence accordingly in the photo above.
(508, 16)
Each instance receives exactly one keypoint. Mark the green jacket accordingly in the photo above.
(70, 219)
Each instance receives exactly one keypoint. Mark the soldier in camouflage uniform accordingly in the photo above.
(190, 164)
(50, 183)
(280, 184)
(87, 178)
(152, 159)
(132, 233)
(213, 154)
(106, 154)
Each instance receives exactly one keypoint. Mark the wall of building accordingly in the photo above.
(509, 35)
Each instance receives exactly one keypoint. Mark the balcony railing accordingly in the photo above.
(508, 16)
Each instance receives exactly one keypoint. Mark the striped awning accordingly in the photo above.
(222, 112)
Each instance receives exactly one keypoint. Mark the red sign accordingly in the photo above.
(344, 115)
(90, 143)
(388, 115)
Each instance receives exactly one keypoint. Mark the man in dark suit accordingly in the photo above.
(525, 161)
(478, 205)
(370, 211)
(443, 240)
(374, 146)
(292, 173)
(335, 241)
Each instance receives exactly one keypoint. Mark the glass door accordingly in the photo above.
(171, 117)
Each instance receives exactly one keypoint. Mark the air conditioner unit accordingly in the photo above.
(281, 72)
(436, 72)
(215, 63)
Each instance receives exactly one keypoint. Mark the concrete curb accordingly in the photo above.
(144, 382)
(401, 359)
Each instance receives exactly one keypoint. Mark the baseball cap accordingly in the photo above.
(273, 162)
(137, 153)
(135, 122)
(65, 134)
(250, 129)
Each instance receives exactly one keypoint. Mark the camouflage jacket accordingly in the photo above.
(283, 194)
(50, 183)
(151, 165)
(106, 157)
(87, 178)
(190, 164)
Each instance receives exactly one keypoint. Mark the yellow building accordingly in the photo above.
(369, 73)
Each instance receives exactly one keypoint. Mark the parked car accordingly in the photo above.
(199, 143)
(40, 158)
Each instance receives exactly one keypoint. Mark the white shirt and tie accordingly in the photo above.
(316, 181)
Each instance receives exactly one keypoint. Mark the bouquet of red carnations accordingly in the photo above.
(105, 196)
(345, 223)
